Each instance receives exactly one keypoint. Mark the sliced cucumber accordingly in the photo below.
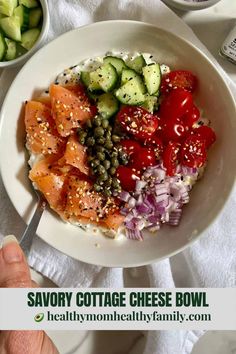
(132, 93)
(150, 103)
(104, 78)
(85, 78)
(152, 78)
(29, 38)
(11, 27)
(23, 13)
(11, 50)
(107, 105)
(29, 3)
(7, 7)
(3, 46)
(118, 63)
(35, 17)
(137, 64)
(127, 74)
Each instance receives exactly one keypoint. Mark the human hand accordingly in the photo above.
(15, 273)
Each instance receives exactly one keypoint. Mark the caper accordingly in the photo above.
(89, 123)
(98, 132)
(103, 177)
(97, 187)
(107, 192)
(90, 141)
(82, 140)
(115, 182)
(115, 138)
(105, 123)
(97, 121)
(100, 148)
(106, 164)
(101, 169)
(114, 162)
(95, 163)
(108, 182)
(114, 154)
(108, 135)
(109, 128)
(124, 158)
(101, 140)
(101, 156)
(108, 145)
(112, 171)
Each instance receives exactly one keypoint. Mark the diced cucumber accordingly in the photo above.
(132, 93)
(107, 105)
(118, 63)
(29, 38)
(152, 78)
(11, 50)
(20, 50)
(11, 27)
(137, 64)
(7, 7)
(29, 3)
(23, 13)
(85, 78)
(3, 46)
(127, 74)
(35, 17)
(150, 103)
(104, 78)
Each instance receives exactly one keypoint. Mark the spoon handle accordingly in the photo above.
(30, 231)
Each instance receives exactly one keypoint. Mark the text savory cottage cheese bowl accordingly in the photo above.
(208, 196)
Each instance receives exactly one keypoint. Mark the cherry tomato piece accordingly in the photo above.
(130, 146)
(127, 178)
(137, 122)
(156, 143)
(191, 117)
(207, 134)
(176, 104)
(178, 79)
(193, 152)
(173, 130)
(144, 158)
(171, 157)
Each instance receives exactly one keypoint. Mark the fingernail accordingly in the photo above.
(11, 251)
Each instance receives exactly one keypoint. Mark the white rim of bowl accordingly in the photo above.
(43, 33)
(193, 5)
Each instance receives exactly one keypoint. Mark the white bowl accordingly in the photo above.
(190, 6)
(23, 58)
(208, 196)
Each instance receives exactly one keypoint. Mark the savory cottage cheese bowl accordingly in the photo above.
(205, 201)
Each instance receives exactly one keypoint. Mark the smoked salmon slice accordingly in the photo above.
(70, 107)
(53, 188)
(84, 203)
(42, 136)
(75, 155)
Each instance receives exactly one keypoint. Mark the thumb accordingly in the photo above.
(14, 270)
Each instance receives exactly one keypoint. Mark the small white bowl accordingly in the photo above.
(191, 5)
(23, 58)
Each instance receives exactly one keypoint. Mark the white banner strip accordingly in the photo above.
(118, 309)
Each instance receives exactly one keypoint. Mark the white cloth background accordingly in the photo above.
(210, 262)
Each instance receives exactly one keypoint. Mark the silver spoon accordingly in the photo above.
(30, 231)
